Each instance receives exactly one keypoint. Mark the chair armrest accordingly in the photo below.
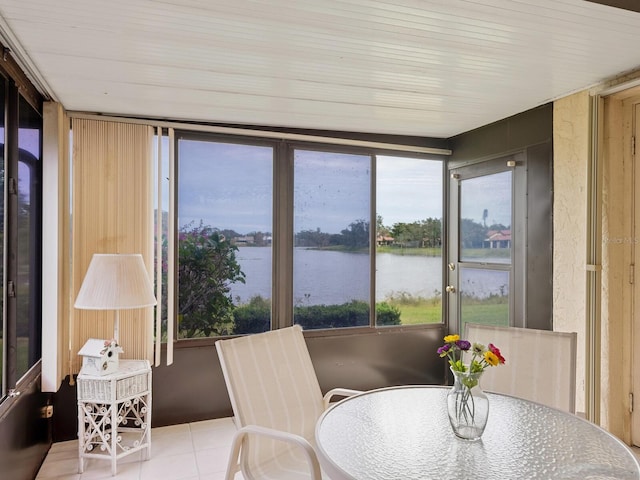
(279, 435)
(343, 392)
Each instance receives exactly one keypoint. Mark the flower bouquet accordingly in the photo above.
(467, 405)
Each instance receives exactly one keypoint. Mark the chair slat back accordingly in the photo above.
(272, 383)
(540, 364)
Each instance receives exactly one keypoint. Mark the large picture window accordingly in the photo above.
(347, 237)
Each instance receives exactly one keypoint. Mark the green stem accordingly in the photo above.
(465, 406)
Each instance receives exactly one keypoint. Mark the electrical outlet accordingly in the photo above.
(46, 412)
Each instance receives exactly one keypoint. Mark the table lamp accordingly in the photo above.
(115, 282)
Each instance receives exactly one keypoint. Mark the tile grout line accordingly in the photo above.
(193, 448)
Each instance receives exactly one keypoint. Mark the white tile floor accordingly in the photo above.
(194, 451)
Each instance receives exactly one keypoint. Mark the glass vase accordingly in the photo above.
(467, 405)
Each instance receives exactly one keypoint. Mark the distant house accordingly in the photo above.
(384, 240)
(244, 240)
(498, 239)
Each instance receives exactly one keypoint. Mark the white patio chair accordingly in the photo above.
(540, 364)
(276, 402)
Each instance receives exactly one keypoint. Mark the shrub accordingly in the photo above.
(387, 314)
(254, 317)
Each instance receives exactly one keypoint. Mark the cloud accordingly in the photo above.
(230, 186)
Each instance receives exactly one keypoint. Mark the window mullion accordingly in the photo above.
(282, 287)
(372, 243)
(11, 228)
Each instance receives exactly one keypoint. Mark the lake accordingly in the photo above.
(325, 277)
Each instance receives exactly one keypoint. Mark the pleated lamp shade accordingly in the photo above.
(115, 282)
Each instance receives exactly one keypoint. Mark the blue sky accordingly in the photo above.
(491, 192)
(331, 190)
(219, 199)
(408, 189)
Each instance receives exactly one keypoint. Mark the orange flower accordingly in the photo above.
(491, 358)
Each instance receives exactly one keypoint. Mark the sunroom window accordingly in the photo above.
(318, 235)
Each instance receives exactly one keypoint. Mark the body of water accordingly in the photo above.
(324, 277)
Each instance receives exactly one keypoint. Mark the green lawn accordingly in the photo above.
(427, 252)
(418, 314)
(489, 313)
(430, 311)
(486, 313)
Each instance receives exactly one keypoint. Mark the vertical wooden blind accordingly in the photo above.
(112, 212)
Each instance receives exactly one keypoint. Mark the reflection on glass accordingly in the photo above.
(484, 297)
(28, 257)
(331, 272)
(409, 241)
(224, 244)
(485, 218)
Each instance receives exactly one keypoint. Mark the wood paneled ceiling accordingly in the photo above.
(414, 67)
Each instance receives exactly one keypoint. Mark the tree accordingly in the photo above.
(381, 230)
(357, 235)
(425, 233)
(498, 227)
(312, 238)
(401, 232)
(473, 234)
(207, 265)
(432, 232)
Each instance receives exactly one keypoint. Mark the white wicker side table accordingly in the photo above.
(114, 413)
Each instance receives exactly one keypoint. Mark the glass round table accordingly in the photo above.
(404, 433)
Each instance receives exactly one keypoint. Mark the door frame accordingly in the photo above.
(613, 327)
(635, 258)
(516, 162)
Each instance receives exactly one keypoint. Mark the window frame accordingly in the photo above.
(10, 379)
(333, 149)
(284, 148)
(215, 138)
